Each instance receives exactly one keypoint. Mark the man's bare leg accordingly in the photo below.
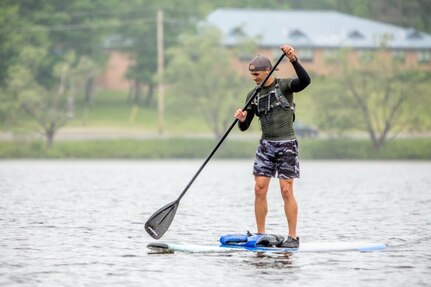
(260, 202)
(290, 205)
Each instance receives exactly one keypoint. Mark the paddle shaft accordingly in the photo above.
(256, 91)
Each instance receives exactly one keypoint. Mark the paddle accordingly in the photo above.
(160, 221)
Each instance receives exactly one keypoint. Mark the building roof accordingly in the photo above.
(313, 28)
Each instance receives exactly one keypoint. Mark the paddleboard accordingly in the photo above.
(361, 246)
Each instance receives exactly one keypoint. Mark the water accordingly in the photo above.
(80, 223)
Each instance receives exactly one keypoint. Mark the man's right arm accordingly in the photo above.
(244, 118)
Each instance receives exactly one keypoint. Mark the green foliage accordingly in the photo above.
(403, 149)
(9, 41)
(378, 97)
(52, 58)
(329, 102)
(139, 40)
(39, 38)
(203, 80)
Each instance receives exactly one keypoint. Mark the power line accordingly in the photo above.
(92, 26)
(150, 11)
(86, 26)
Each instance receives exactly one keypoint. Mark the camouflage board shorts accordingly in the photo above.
(277, 158)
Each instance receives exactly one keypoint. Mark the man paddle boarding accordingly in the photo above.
(277, 152)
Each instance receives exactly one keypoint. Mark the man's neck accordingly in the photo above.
(269, 81)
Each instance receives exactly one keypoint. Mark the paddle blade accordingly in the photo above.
(160, 221)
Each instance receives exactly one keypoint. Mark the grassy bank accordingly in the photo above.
(402, 149)
(113, 112)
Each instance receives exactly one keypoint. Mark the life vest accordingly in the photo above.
(252, 240)
(264, 105)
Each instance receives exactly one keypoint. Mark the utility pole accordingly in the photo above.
(160, 64)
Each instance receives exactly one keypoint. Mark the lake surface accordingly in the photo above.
(81, 223)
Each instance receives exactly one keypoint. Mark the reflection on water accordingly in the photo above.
(68, 223)
(264, 261)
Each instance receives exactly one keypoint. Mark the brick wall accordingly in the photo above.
(113, 78)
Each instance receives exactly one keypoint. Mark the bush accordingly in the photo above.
(401, 149)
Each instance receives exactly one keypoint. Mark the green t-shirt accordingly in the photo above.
(277, 124)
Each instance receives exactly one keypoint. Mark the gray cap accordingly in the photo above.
(259, 63)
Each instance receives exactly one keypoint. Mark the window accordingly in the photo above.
(355, 35)
(297, 34)
(237, 32)
(305, 54)
(298, 37)
(413, 35)
(424, 56)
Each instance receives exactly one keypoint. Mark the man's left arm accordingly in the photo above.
(303, 79)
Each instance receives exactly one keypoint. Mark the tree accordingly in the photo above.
(79, 27)
(140, 41)
(45, 104)
(10, 41)
(375, 96)
(203, 80)
(49, 51)
(331, 114)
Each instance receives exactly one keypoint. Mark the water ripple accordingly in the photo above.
(80, 223)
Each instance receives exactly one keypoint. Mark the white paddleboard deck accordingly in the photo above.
(361, 246)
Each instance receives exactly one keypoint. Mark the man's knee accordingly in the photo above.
(287, 190)
(261, 188)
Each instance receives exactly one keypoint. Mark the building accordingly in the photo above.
(318, 35)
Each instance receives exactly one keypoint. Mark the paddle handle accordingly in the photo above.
(248, 103)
